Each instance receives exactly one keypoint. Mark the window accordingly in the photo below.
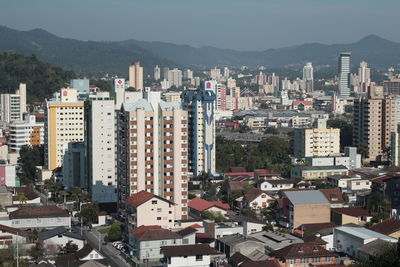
(292, 261)
(158, 218)
(199, 257)
(154, 202)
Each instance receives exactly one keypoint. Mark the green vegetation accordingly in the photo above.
(30, 157)
(379, 205)
(104, 230)
(271, 153)
(346, 131)
(271, 130)
(70, 247)
(389, 256)
(89, 213)
(216, 216)
(114, 233)
(41, 79)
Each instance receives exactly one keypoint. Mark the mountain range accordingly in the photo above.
(98, 58)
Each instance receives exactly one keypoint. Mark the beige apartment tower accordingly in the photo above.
(136, 76)
(152, 151)
(374, 120)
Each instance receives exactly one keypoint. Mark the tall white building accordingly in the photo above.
(26, 132)
(100, 147)
(188, 74)
(157, 73)
(175, 77)
(64, 124)
(201, 105)
(13, 106)
(226, 72)
(123, 96)
(344, 73)
(152, 151)
(136, 76)
(215, 74)
(308, 77)
(364, 74)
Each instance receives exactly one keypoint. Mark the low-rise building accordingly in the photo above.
(199, 205)
(307, 206)
(145, 208)
(334, 196)
(256, 199)
(304, 254)
(59, 237)
(8, 175)
(390, 227)
(231, 244)
(274, 240)
(349, 183)
(199, 255)
(356, 215)
(9, 236)
(39, 217)
(273, 185)
(87, 256)
(317, 172)
(349, 239)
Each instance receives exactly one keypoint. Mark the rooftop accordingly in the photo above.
(352, 211)
(200, 204)
(302, 250)
(363, 233)
(141, 197)
(333, 195)
(306, 197)
(58, 231)
(189, 250)
(35, 212)
(20, 232)
(387, 227)
(374, 247)
(156, 234)
(316, 168)
(274, 240)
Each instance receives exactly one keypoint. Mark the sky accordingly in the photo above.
(236, 24)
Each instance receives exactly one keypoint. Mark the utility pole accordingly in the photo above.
(17, 252)
(99, 241)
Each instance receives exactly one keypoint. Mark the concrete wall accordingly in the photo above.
(311, 213)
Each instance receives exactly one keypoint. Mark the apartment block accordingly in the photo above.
(316, 142)
(200, 105)
(152, 151)
(100, 147)
(373, 121)
(64, 124)
(13, 106)
(136, 76)
(26, 132)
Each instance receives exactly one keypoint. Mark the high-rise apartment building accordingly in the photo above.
(215, 74)
(317, 142)
(157, 73)
(221, 97)
(200, 104)
(100, 147)
(175, 77)
(364, 74)
(26, 132)
(373, 121)
(308, 77)
(13, 106)
(188, 74)
(136, 76)
(344, 73)
(64, 124)
(226, 72)
(152, 151)
(392, 87)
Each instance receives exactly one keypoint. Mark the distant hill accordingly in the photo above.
(377, 51)
(41, 78)
(85, 57)
(98, 58)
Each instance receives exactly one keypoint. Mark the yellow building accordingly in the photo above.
(64, 124)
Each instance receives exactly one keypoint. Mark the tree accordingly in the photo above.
(271, 130)
(70, 247)
(388, 256)
(114, 233)
(36, 251)
(89, 213)
(30, 157)
(22, 199)
(346, 131)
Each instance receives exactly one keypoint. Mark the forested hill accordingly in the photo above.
(41, 78)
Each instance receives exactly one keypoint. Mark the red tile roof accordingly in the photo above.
(250, 174)
(387, 227)
(203, 235)
(138, 199)
(200, 204)
(265, 172)
(352, 211)
(37, 212)
(20, 232)
(302, 250)
(333, 195)
(298, 102)
(156, 234)
(315, 227)
(145, 228)
(196, 226)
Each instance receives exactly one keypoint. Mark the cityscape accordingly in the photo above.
(153, 153)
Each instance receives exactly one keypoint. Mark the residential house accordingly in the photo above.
(146, 242)
(274, 185)
(199, 205)
(218, 230)
(334, 196)
(390, 227)
(317, 172)
(321, 230)
(199, 255)
(9, 236)
(356, 215)
(348, 239)
(82, 258)
(307, 206)
(59, 237)
(388, 185)
(144, 208)
(372, 249)
(40, 217)
(31, 197)
(304, 254)
(256, 199)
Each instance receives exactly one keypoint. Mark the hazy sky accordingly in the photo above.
(238, 24)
